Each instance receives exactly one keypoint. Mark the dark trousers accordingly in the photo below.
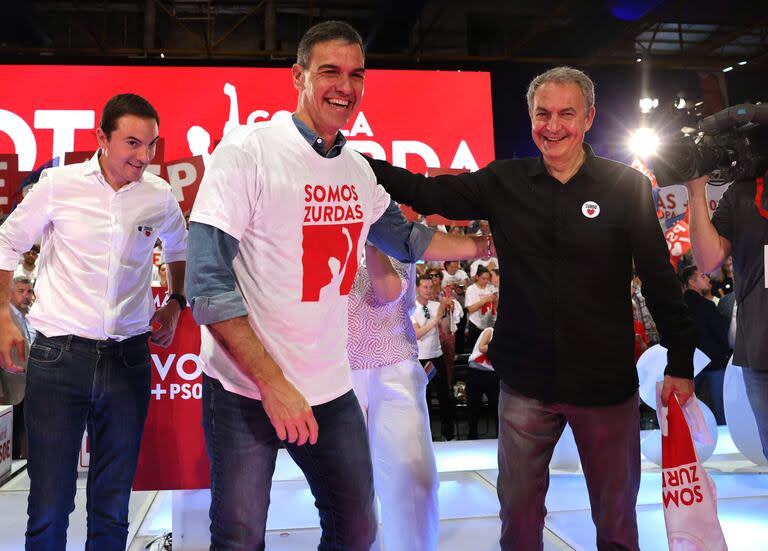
(73, 383)
(709, 387)
(439, 384)
(19, 433)
(481, 382)
(608, 440)
(242, 447)
(461, 340)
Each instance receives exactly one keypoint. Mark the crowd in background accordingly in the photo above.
(469, 294)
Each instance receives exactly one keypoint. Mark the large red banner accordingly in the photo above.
(415, 119)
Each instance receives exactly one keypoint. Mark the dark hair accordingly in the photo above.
(34, 247)
(688, 273)
(445, 264)
(435, 271)
(125, 104)
(481, 270)
(325, 32)
(496, 271)
(423, 277)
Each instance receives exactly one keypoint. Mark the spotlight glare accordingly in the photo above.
(643, 142)
(680, 103)
(646, 104)
(742, 62)
(639, 59)
(727, 69)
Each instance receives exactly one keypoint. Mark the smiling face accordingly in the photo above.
(128, 149)
(559, 123)
(330, 87)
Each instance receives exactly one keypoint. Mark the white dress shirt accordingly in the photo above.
(96, 252)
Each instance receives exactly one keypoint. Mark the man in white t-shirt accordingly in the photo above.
(28, 265)
(430, 314)
(288, 195)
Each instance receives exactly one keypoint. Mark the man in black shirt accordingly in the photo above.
(567, 226)
(711, 338)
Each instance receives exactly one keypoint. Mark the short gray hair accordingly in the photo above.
(22, 279)
(564, 75)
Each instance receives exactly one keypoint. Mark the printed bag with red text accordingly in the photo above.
(689, 494)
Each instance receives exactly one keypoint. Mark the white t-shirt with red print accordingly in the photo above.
(301, 220)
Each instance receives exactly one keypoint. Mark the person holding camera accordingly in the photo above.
(739, 228)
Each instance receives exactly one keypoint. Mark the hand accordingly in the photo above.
(681, 386)
(440, 311)
(11, 339)
(289, 412)
(488, 298)
(165, 319)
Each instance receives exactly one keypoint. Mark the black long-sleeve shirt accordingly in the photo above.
(564, 331)
(711, 329)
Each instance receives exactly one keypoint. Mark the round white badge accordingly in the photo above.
(590, 209)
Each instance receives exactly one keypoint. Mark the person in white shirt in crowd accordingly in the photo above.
(481, 379)
(28, 265)
(457, 280)
(89, 364)
(455, 315)
(430, 314)
(487, 263)
(12, 384)
(481, 301)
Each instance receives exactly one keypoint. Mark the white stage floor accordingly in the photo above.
(468, 506)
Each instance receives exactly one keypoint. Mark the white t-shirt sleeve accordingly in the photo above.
(229, 193)
(381, 200)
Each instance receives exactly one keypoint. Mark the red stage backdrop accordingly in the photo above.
(414, 119)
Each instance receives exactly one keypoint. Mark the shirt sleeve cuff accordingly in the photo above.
(209, 310)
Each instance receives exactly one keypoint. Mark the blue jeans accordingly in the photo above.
(608, 441)
(73, 383)
(757, 393)
(242, 447)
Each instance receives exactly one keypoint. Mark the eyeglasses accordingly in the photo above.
(426, 312)
(434, 275)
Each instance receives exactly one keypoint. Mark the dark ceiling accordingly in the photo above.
(682, 34)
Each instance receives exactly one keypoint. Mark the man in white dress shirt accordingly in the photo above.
(89, 364)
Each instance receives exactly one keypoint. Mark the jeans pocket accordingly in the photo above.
(46, 354)
(135, 356)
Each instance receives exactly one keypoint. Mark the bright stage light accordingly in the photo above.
(648, 104)
(680, 103)
(643, 142)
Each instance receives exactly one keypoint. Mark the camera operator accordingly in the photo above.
(739, 228)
